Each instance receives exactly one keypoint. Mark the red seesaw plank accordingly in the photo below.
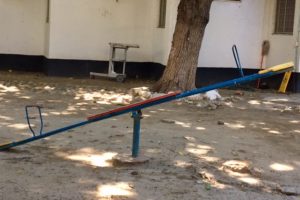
(133, 105)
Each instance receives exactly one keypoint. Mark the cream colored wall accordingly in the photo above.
(22, 25)
(231, 22)
(82, 29)
(282, 46)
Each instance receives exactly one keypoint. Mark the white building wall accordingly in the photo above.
(82, 29)
(283, 47)
(22, 25)
(231, 22)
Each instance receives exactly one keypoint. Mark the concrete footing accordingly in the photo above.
(126, 159)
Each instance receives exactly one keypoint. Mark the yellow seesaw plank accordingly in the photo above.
(276, 68)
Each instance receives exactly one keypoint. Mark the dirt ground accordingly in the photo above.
(246, 148)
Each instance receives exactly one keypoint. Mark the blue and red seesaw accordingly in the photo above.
(136, 109)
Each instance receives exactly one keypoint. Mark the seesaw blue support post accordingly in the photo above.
(137, 116)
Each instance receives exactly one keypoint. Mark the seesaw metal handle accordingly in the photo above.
(28, 119)
(237, 59)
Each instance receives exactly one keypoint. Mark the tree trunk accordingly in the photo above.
(180, 72)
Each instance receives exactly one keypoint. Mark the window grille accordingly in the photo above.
(285, 14)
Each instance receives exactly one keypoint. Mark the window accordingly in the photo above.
(162, 14)
(285, 14)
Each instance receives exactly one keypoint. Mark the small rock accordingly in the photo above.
(296, 108)
(188, 101)
(119, 135)
(219, 103)
(221, 122)
(188, 138)
(134, 173)
(94, 141)
(234, 153)
(207, 176)
(212, 106)
(168, 121)
(241, 151)
(227, 99)
(289, 190)
(141, 92)
(196, 97)
(256, 172)
(202, 104)
(237, 166)
(239, 93)
(237, 98)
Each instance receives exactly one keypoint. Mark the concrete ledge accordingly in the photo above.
(145, 70)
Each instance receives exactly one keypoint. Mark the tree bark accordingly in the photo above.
(180, 72)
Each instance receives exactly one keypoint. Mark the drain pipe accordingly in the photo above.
(297, 68)
(297, 47)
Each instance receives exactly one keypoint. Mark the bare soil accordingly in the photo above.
(246, 148)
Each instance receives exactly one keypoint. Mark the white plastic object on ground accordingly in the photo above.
(213, 95)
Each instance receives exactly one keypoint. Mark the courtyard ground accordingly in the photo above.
(245, 147)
